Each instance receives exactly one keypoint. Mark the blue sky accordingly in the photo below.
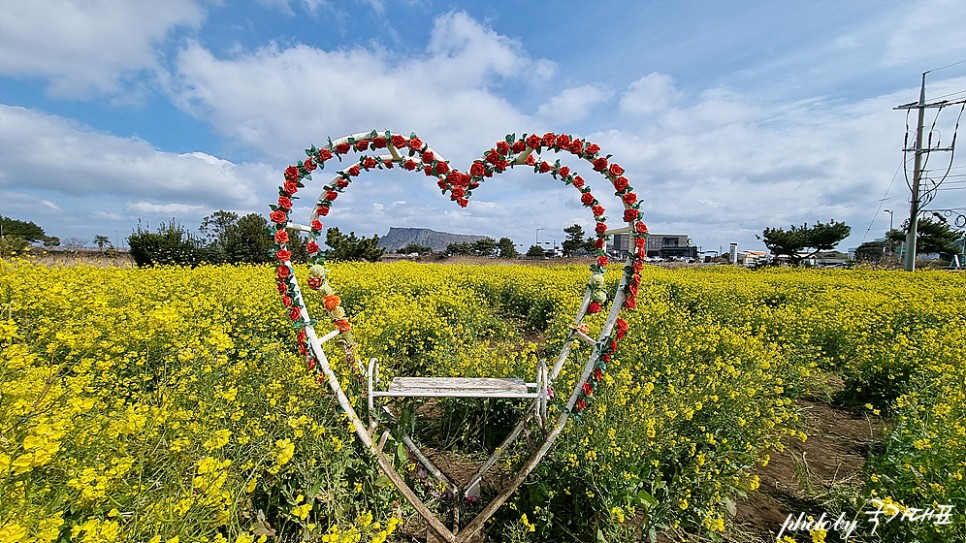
(729, 116)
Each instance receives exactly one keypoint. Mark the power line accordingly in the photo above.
(947, 66)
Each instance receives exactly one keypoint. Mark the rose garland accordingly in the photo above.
(419, 157)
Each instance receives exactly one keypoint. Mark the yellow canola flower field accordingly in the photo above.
(171, 403)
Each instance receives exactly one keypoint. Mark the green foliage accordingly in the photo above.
(931, 237)
(484, 247)
(791, 243)
(506, 248)
(872, 252)
(234, 240)
(459, 249)
(574, 241)
(348, 248)
(101, 241)
(25, 230)
(170, 245)
(414, 248)
(535, 251)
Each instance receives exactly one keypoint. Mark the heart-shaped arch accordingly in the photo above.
(412, 154)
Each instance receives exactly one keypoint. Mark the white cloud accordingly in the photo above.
(650, 94)
(48, 153)
(87, 48)
(179, 210)
(573, 104)
(50, 205)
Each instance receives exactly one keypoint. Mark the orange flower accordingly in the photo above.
(331, 302)
(343, 325)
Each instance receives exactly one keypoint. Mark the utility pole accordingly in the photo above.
(921, 105)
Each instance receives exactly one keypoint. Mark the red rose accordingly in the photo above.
(457, 193)
(613, 346)
(601, 243)
(629, 198)
(331, 195)
(602, 261)
(640, 243)
(477, 169)
(387, 164)
(291, 172)
(463, 202)
(286, 301)
(342, 183)
(630, 303)
(638, 266)
(587, 198)
(379, 143)
(410, 165)
(576, 147)
(622, 325)
(534, 141)
(580, 405)
(563, 141)
(578, 181)
(282, 287)
(587, 389)
(503, 147)
(283, 255)
(620, 184)
(598, 374)
(398, 141)
(278, 216)
(427, 157)
(284, 203)
(564, 172)
(474, 184)
(323, 210)
(282, 272)
(441, 168)
(309, 164)
(600, 164)
(342, 148)
(615, 170)
(641, 228)
(295, 313)
(631, 215)
(594, 307)
(428, 170)
(310, 364)
(281, 236)
(636, 279)
(368, 163)
(544, 167)
(290, 187)
(548, 139)
(362, 145)
(442, 184)
(492, 156)
(354, 170)
(592, 149)
(531, 160)
(519, 146)
(315, 282)
(598, 211)
(600, 228)
(605, 358)
(632, 289)
(416, 144)
(324, 154)
(312, 247)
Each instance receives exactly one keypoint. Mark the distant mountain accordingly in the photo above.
(397, 238)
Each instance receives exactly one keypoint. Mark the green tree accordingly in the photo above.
(506, 247)
(346, 248)
(574, 241)
(25, 230)
(535, 251)
(459, 249)
(51, 241)
(931, 237)
(872, 252)
(101, 241)
(414, 248)
(484, 247)
(170, 245)
(252, 244)
(794, 241)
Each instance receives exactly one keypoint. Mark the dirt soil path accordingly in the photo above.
(795, 479)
